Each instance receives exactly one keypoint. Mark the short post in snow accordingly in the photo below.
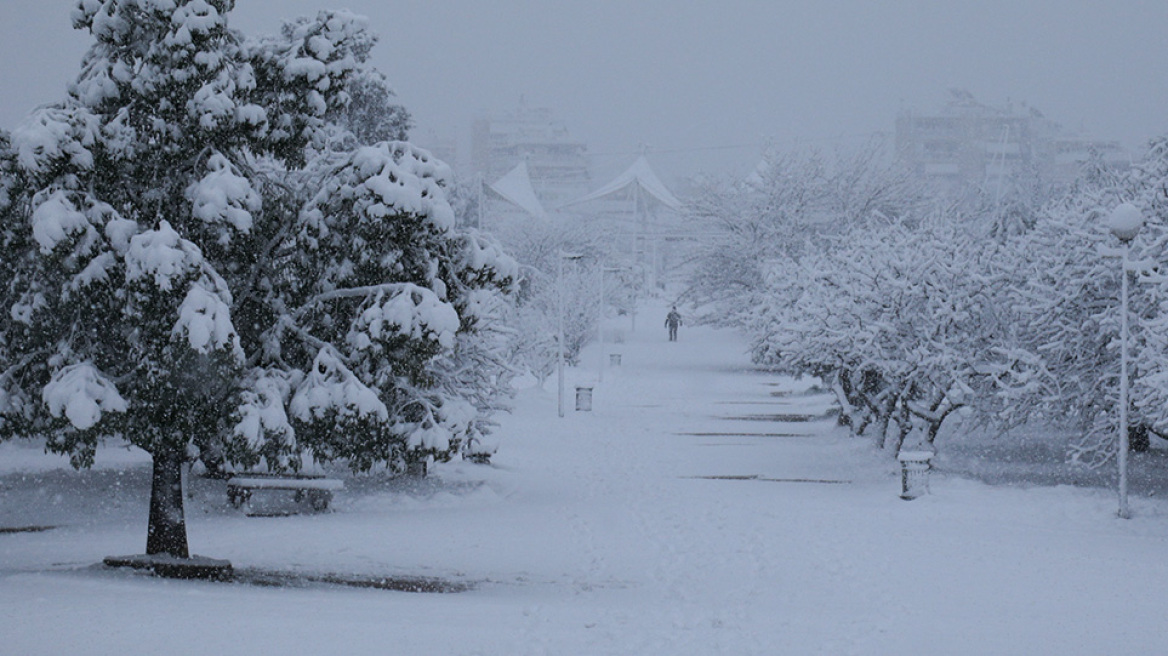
(583, 398)
(614, 359)
(914, 473)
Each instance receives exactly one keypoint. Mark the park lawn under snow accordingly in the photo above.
(626, 530)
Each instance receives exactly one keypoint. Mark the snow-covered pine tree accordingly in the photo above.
(139, 201)
(176, 285)
(16, 258)
(371, 115)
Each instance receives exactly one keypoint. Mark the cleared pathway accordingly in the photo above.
(702, 507)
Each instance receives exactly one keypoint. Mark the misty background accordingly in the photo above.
(704, 85)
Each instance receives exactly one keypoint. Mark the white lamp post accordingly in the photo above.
(1124, 222)
(560, 323)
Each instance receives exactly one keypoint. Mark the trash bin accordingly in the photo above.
(583, 398)
(614, 359)
(914, 473)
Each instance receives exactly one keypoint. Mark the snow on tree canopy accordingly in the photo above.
(262, 414)
(96, 271)
(119, 232)
(163, 254)
(82, 394)
(386, 179)
(56, 219)
(224, 196)
(109, 18)
(330, 386)
(457, 418)
(54, 135)
(485, 257)
(205, 317)
(328, 46)
(413, 311)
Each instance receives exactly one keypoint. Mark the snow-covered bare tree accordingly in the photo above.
(906, 323)
(1067, 296)
(771, 218)
(1147, 189)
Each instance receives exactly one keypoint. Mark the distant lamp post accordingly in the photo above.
(1124, 222)
(600, 317)
(560, 323)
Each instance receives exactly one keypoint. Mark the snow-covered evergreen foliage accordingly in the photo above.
(392, 287)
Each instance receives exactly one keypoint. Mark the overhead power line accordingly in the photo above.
(740, 146)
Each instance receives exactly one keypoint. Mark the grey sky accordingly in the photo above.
(704, 84)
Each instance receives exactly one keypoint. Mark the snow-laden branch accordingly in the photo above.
(350, 292)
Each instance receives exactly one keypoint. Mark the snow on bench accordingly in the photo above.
(318, 492)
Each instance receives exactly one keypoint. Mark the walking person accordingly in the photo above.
(672, 321)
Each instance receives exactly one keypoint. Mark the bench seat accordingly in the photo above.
(318, 492)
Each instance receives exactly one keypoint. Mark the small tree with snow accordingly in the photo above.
(537, 246)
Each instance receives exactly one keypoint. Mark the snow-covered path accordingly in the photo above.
(702, 507)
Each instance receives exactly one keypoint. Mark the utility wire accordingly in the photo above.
(794, 141)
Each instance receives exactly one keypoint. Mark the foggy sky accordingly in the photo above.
(704, 84)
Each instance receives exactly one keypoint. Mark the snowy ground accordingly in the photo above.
(609, 532)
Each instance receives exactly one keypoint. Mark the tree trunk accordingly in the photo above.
(842, 387)
(882, 429)
(167, 533)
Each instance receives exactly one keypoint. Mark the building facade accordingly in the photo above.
(970, 145)
(558, 164)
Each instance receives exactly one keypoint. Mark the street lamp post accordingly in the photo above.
(1124, 222)
(560, 323)
(600, 317)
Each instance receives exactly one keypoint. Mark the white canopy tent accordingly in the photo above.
(638, 180)
(516, 188)
(646, 195)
